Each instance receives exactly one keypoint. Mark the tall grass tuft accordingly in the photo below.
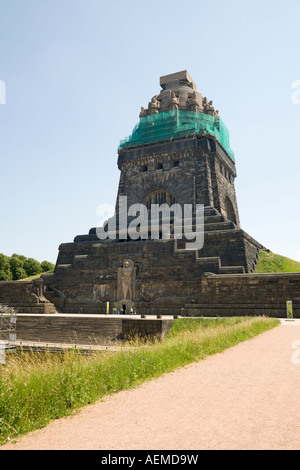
(36, 388)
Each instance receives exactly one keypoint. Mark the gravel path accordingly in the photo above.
(247, 397)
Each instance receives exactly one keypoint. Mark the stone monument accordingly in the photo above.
(178, 154)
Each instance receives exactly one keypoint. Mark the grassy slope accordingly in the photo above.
(272, 263)
(36, 276)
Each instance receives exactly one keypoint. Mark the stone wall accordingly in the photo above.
(246, 294)
(222, 175)
(209, 295)
(86, 329)
(24, 297)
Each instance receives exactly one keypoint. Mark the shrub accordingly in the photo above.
(17, 266)
(32, 267)
(47, 266)
(5, 272)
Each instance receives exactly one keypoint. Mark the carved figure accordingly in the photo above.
(193, 103)
(174, 101)
(126, 281)
(38, 287)
(154, 105)
(143, 112)
(210, 109)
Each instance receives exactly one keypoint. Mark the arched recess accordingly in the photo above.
(159, 196)
(230, 212)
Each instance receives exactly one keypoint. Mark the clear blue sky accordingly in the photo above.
(77, 73)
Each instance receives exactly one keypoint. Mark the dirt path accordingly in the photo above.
(248, 397)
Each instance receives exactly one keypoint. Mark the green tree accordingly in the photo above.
(5, 271)
(47, 266)
(17, 266)
(32, 267)
(20, 257)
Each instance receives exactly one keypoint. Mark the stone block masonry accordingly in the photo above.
(210, 295)
(246, 294)
(26, 297)
(87, 329)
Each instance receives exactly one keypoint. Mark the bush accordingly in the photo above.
(32, 267)
(5, 272)
(19, 267)
(47, 266)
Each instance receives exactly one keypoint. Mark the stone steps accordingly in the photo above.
(211, 263)
(53, 298)
(213, 221)
(214, 224)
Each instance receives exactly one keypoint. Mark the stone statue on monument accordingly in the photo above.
(126, 281)
(210, 109)
(143, 112)
(154, 105)
(193, 103)
(174, 101)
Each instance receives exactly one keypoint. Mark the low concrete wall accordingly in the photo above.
(86, 329)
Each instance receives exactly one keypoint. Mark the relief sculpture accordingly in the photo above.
(126, 281)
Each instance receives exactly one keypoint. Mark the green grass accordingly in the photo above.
(36, 388)
(36, 276)
(272, 263)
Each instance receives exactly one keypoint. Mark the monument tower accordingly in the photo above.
(178, 153)
(163, 153)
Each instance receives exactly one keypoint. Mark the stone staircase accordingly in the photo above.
(224, 250)
(55, 298)
(221, 252)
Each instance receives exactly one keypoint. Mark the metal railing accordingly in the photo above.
(8, 328)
